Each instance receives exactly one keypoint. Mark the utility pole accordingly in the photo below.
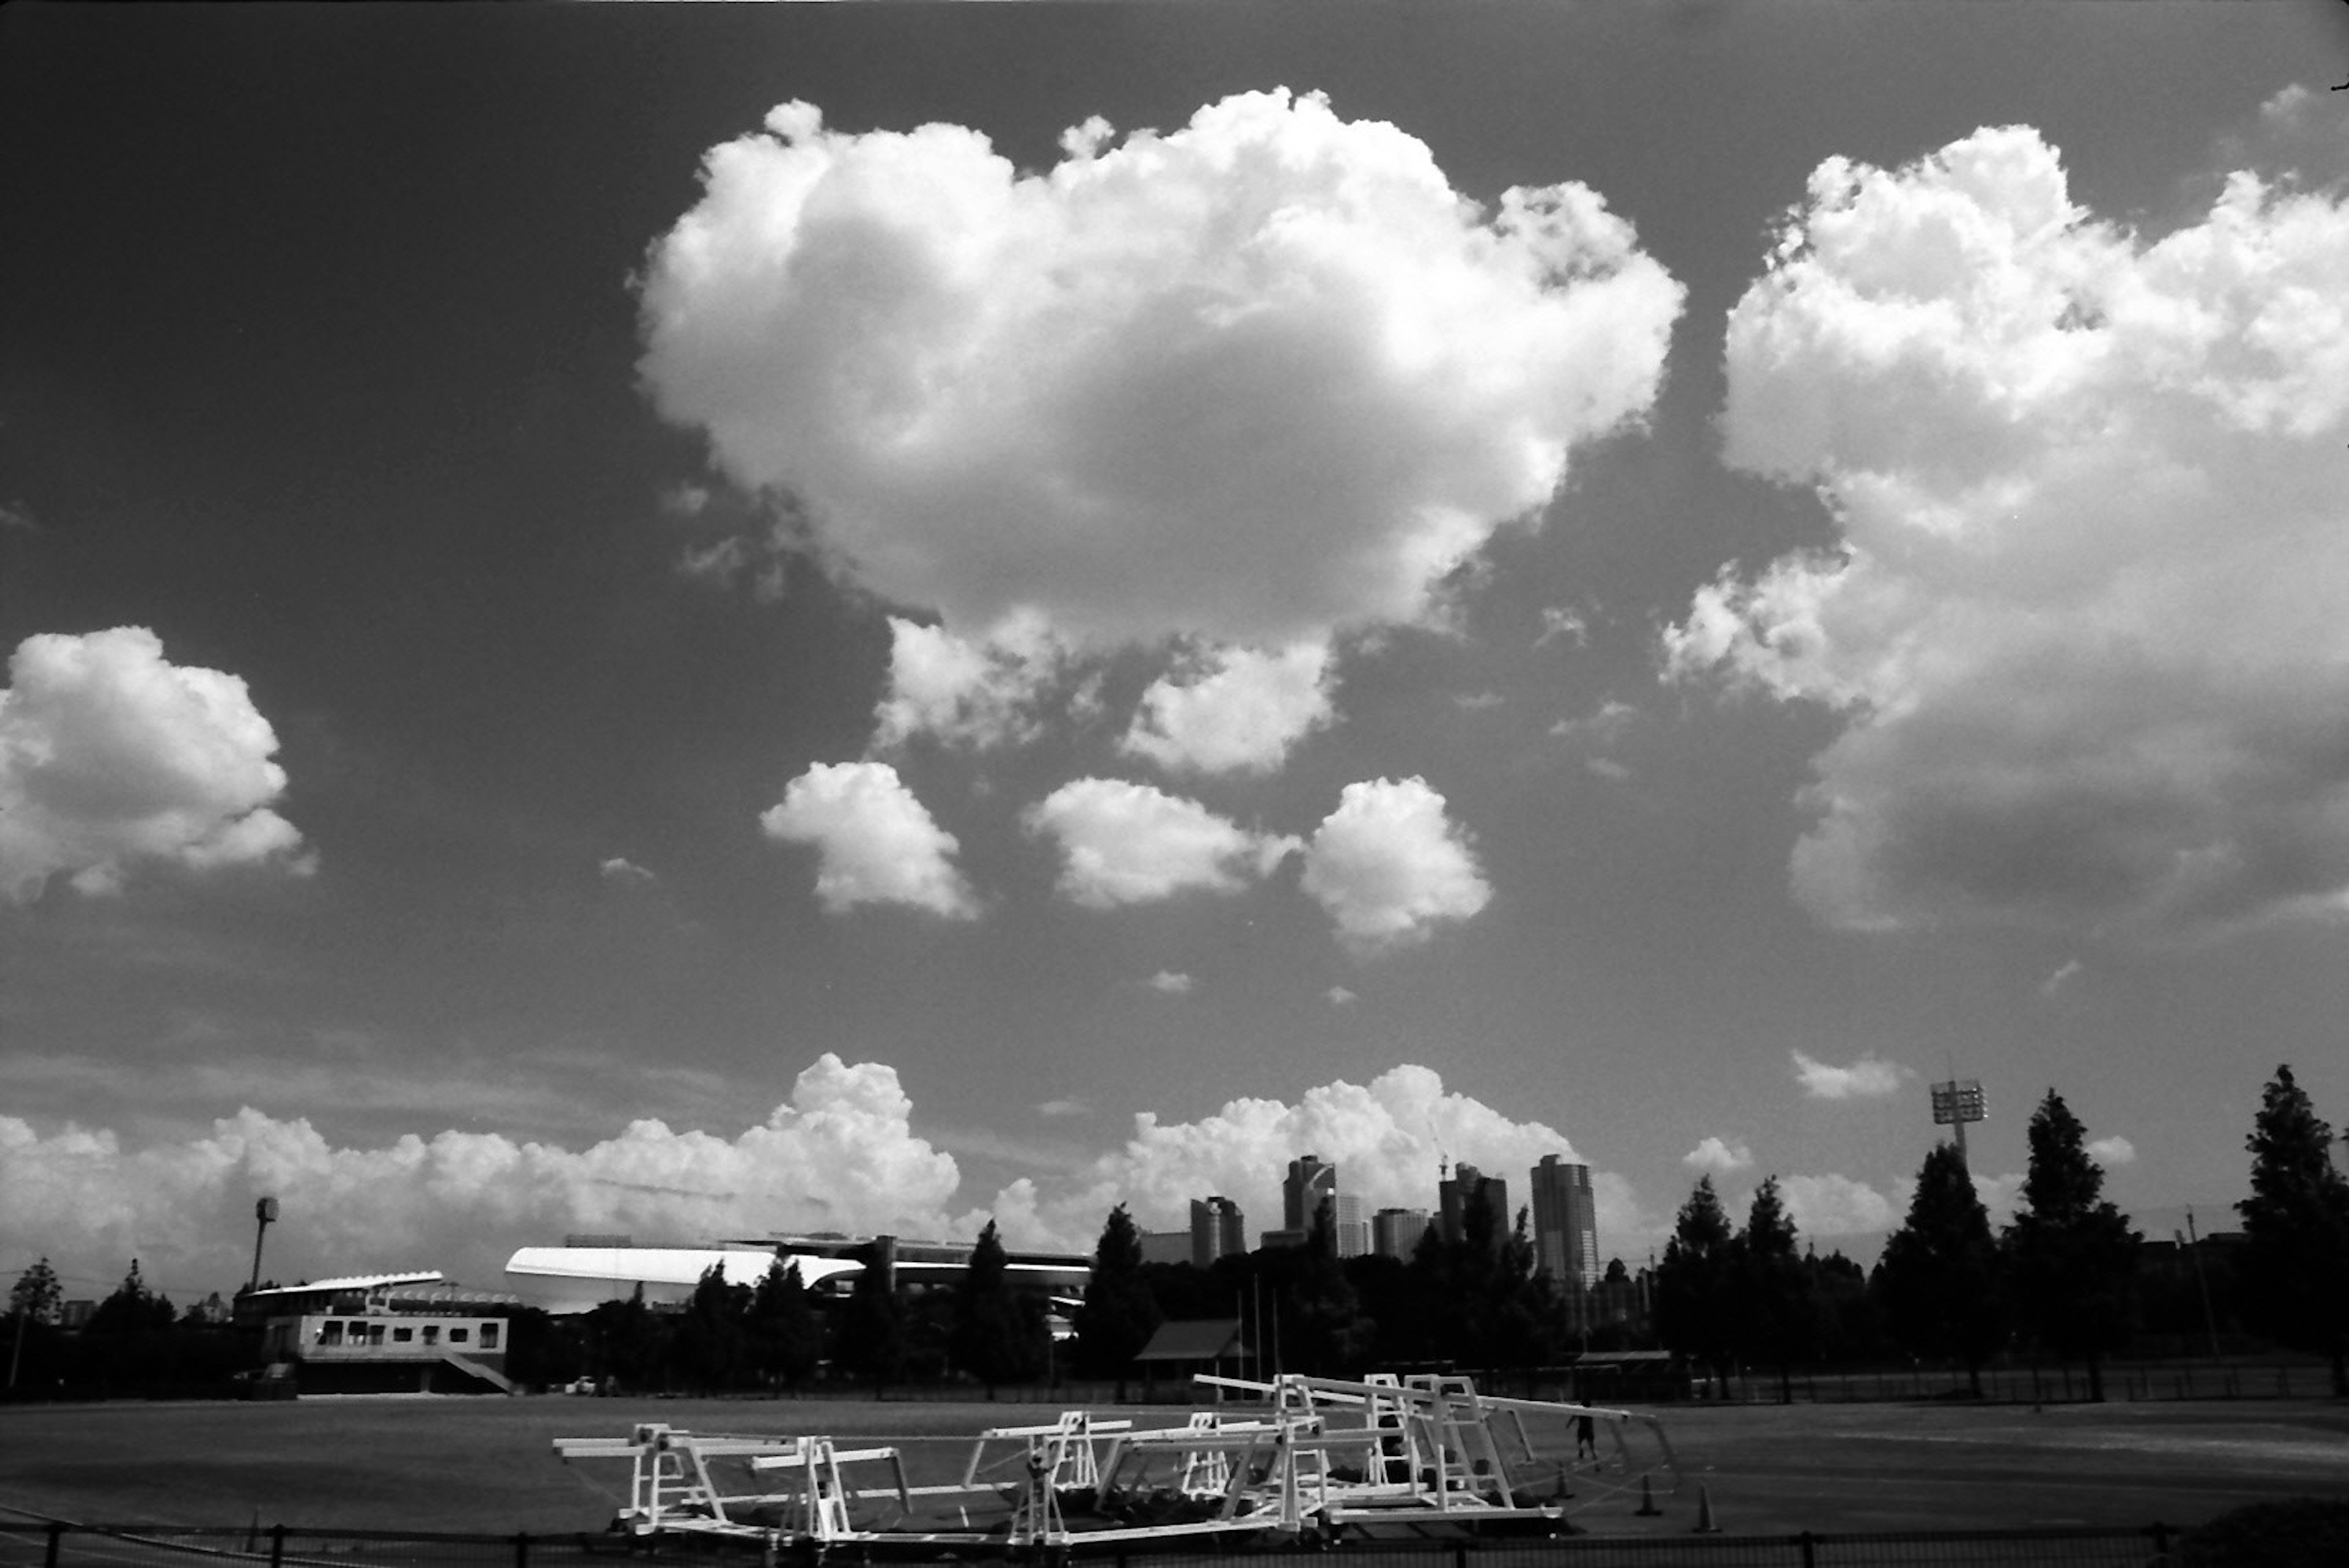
(2194, 1252)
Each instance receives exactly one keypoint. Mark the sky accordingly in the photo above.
(701, 622)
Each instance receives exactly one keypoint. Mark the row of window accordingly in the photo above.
(373, 1332)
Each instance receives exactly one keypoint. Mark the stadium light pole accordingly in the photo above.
(263, 1210)
(1955, 1103)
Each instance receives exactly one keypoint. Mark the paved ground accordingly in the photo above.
(487, 1465)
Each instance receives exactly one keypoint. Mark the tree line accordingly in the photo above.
(2063, 1280)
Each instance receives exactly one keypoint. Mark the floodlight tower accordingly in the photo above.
(263, 1210)
(1956, 1103)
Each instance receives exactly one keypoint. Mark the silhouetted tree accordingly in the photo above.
(36, 1294)
(29, 1331)
(872, 1339)
(1850, 1326)
(786, 1336)
(712, 1346)
(1696, 1284)
(999, 1334)
(1525, 1325)
(1118, 1316)
(1777, 1315)
(1322, 1330)
(2296, 1228)
(1939, 1281)
(627, 1342)
(2071, 1255)
(132, 1309)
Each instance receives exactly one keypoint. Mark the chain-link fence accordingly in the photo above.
(28, 1544)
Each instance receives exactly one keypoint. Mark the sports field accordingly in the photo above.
(442, 1463)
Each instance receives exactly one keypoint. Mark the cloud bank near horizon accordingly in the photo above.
(841, 1154)
(2081, 616)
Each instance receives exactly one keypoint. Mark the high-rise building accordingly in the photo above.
(1467, 1185)
(1566, 1232)
(1396, 1232)
(1308, 1183)
(1350, 1232)
(1218, 1229)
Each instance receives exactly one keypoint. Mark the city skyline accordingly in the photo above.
(698, 622)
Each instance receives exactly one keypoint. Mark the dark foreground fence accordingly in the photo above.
(25, 1544)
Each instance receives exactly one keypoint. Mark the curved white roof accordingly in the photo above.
(579, 1279)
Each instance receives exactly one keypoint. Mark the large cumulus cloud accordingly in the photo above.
(1242, 383)
(2085, 612)
(111, 756)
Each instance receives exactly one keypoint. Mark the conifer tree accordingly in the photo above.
(1938, 1280)
(2296, 1225)
(2071, 1255)
(1696, 1286)
(1118, 1316)
(998, 1335)
(1778, 1317)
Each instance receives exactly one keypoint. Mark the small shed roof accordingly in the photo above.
(1195, 1339)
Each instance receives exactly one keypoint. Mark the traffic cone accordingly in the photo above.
(1647, 1509)
(1704, 1524)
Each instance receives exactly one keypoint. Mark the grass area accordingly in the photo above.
(444, 1463)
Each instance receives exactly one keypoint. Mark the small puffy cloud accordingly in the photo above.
(624, 872)
(2113, 1151)
(1129, 844)
(1340, 996)
(2082, 618)
(877, 843)
(1479, 701)
(1064, 1107)
(1835, 1205)
(1169, 983)
(975, 694)
(1389, 866)
(1865, 1079)
(1239, 712)
(1245, 383)
(2061, 977)
(841, 1154)
(1563, 621)
(1714, 1156)
(112, 757)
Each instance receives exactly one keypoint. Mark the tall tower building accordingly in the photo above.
(1566, 1232)
(1308, 1183)
(1467, 1185)
(1217, 1229)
